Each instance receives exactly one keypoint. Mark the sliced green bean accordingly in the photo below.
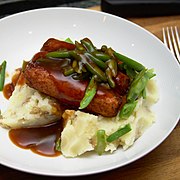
(88, 45)
(25, 63)
(103, 48)
(150, 73)
(81, 76)
(93, 68)
(79, 46)
(68, 71)
(112, 64)
(75, 55)
(58, 145)
(110, 52)
(68, 40)
(101, 142)
(83, 68)
(2, 74)
(89, 93)
(109, 78)
(130, 72)
(130, 62)
(77, 69)
(59, 54)
(100, 55)
(127, 110)
(138, 77)
(100, 63)
(120, 132)
(138, 85)
(74, 64)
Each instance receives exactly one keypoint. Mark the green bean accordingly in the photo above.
(79, 46)
(93, 68)
(100, 55)
(101, 142)
(24, 65)
(109, 78)
(88, 45)
(130, 72)
(120, 132)
(98, 62)
(138, 85)
(59, 54)
(103, 48)
(75, 55)
(81, 76)
(150, 73)
(2, 74)
(68, 71)
(68, 40)
(110, 52)
(130, 62)
(83, 68)
(58, 145)
(127, 109)
(113, 66)
(77, 69)
(138, 77)
(74, 64)
(89, 93)
(46, 60)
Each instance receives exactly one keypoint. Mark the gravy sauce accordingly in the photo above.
(40, 140)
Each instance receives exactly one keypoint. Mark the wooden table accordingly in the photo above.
(163, 163)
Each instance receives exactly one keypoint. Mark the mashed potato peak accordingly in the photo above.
(29, 108)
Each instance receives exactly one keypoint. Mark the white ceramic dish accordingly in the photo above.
(21, 35)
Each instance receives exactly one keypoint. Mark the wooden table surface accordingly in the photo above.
(163, 163)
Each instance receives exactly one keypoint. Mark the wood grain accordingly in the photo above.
(163, 163)
(153, 24)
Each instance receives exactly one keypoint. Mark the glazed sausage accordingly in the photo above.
(54, 44)
(50, 80)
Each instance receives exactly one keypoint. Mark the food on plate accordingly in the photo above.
(101, 98)
(46, 75)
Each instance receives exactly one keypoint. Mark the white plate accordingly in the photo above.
(21, 35)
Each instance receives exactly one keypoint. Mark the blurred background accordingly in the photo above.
(8, 7)
(123, 8)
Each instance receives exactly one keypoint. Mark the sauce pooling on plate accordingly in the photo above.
(39, 140)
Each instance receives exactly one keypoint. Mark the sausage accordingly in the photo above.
(47, 77)
(54, 44)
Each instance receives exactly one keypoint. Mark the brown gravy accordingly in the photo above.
(17, 78)
(41, 140)
(8, 90)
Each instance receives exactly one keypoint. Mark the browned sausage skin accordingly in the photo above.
(47, 77)
(51, 81)
(55, 44)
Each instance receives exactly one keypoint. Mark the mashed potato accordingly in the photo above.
(79, 134)
(29, 108)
